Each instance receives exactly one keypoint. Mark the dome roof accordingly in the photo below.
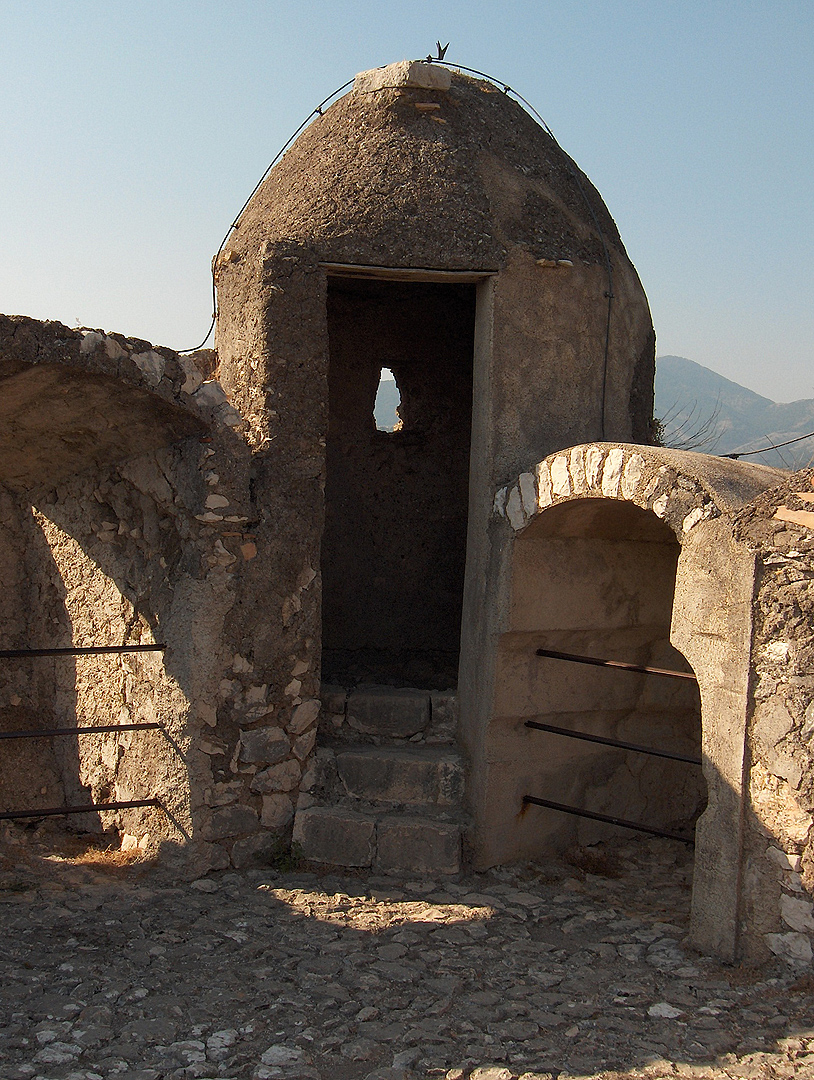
(407, 175)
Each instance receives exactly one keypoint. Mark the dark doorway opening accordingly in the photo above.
(394, 545)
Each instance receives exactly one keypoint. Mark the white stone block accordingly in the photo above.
(612, 473)
(151, 364)
(528, 492)
(693, 518)
(795, 948)
(576, 466)
(514, 509)
(406, 73)
(593, 463)
(784, 859)
(797, 913)
(560, 480)
(544, 494)
(632, 475)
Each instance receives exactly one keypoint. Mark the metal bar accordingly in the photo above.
(613, 742)
(92, 650)
(75, 731)
(57, 811)
(606, 818)
(574, 658)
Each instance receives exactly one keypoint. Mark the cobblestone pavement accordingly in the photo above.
(122, 972)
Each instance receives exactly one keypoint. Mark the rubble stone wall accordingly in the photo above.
(778, 911)
(162, 546)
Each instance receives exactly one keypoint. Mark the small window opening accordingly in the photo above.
(386, 410)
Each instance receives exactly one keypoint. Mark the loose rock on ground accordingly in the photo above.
(569, 969)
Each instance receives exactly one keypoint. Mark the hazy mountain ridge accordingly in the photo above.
(692, 400)
(697, 404)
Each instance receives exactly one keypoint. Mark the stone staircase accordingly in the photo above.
(385, 788)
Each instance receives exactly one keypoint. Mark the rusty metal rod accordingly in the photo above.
(75, 731)
(613, 742)
(58, 811)
(622, 822)
(596, 662)
(91, 650)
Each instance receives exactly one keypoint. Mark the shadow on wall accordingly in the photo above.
(106, 562)
(616, 549)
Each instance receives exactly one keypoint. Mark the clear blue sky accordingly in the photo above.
(133, 131)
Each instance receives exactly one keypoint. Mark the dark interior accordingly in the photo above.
(394, 546)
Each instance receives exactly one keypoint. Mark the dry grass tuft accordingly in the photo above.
(599, 863)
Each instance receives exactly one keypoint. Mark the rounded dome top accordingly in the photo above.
(406, 175)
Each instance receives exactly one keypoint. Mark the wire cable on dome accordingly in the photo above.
(570, 165)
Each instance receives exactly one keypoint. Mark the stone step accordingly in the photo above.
(388, 843)
(420, 776)
(388, 712)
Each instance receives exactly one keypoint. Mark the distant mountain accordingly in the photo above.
(702, 410)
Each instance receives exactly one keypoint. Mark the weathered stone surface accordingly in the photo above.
(282, 777)
(405, 73)
(277, 812)
(332, 835)
(384, 710)
(418, 844)
(417, 777)
(231, 821)
(266, 744)
(303, 717)
(444, 708)
(772, 721)
(793, 947)
(498, 974)
(797, 913)
(255, 850)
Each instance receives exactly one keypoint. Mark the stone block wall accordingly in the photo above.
(778, 912)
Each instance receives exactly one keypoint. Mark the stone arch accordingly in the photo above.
(128, 488)
(680, 501)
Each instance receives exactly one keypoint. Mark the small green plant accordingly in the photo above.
(286, 858)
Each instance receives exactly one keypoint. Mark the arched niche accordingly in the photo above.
(593, 578)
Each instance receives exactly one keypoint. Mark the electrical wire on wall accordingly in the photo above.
(317, 111)
(570, 165)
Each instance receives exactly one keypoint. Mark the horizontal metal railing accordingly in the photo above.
(71, 650)
(58, 811)
(595, 661)
(42, 733)
(587, 737)
(593, 816)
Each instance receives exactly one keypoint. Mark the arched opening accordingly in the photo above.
(386, 410)
(592, 578)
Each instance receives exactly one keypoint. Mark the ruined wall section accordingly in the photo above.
(163, 542)
(778, 887)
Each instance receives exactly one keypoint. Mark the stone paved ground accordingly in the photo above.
(122, 972)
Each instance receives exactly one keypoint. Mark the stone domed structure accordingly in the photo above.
(428, 225)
